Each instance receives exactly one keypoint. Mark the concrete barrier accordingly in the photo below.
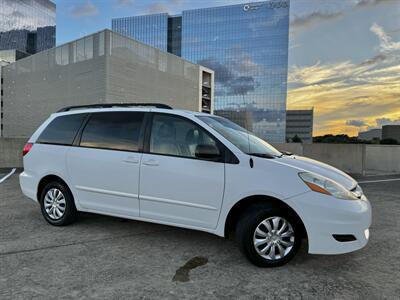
(11, 152)
(295, 148)
(351, 158)
(346, 157)
(383, 158)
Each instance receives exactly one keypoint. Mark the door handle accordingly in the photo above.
(151, 162)
(131, 160)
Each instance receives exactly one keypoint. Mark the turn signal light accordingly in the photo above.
(27, 148)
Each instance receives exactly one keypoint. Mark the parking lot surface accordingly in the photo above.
(107, 258)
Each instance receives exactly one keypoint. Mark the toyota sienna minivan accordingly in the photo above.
(193, 170)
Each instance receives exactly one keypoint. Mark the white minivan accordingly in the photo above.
(192, 170)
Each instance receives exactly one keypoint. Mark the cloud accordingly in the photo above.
(241, 85)
(387, 121)
(122, 3)
(345, 95)
(323, 11)
(20, 20)
(356, 123)
(375, 60)
(84, 10)
(233, 82)
(362, 3)
(222, 74)
(385, 41)
(313, 18)
(156, 8)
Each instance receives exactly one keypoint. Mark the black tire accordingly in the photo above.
(247, 225)
(70, 213)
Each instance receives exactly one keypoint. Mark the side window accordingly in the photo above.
(62, 130)
(113, 130)
(176, 136)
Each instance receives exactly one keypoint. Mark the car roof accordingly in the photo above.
(132, 109)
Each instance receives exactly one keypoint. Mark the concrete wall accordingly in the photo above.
(38, 85)
(295, 148)
(383, 158)
(103, 67)
(351, 158)
(346, 157)
(139, 73)
(11, 152)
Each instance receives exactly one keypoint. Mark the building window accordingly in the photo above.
(83, 49)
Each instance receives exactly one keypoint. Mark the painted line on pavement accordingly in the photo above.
(7, 176)
(381, 180)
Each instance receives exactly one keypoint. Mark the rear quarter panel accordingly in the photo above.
(43, 160)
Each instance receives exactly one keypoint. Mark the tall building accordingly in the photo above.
(371, 134)
(299, 123)
(28, 26)
(247, 47)
(391, 132)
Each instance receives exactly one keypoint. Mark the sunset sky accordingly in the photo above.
(344, 55)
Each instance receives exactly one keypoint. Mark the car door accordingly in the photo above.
(104, 169)
(176, 186)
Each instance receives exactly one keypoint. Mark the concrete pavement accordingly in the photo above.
(109, 258)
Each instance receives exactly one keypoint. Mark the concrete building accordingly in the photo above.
(245, 44)
(371, 134)
(7, 57)
(391, 132)
(300, 123)
(104, 67)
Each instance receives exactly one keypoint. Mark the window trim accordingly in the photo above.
(226, 155)
(78, 138)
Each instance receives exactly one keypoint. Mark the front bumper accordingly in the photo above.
(323, 216)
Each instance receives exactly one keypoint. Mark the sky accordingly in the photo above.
(344, 55)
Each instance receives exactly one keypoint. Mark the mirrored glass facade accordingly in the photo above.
(151, 29)
(27, 25)
(247, 47)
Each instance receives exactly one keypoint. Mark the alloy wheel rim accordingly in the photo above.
(273, 238)
(54, 204)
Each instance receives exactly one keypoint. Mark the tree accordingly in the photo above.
(296, 139)
(389, 141)
(337, 139)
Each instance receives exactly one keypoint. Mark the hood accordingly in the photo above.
(320, 168)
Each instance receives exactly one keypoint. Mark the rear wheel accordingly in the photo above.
(268, 236)
(57, 204)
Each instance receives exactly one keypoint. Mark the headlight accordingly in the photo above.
(326, 186)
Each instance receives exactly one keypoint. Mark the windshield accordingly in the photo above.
(240, 137)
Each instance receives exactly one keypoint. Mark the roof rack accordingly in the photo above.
(109, 105)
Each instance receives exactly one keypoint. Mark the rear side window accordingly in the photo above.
(113, 130)
(62, 130)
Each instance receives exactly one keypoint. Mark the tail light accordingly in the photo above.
(27, 148)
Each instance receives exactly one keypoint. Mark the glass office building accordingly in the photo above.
(247, 47)
(151, 29)
(27, 25)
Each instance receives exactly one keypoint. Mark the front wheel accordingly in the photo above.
(268, 236)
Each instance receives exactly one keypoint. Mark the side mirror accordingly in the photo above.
(209, 152)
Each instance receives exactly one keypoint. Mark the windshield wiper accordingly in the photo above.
(286, 153)
(263, 155)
